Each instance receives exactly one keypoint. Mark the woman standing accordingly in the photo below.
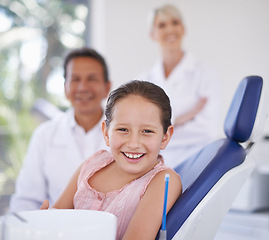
(192, 87)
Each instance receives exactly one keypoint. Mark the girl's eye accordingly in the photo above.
(147, 131)
(122, 130)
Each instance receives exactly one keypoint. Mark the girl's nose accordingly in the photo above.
(134, 141)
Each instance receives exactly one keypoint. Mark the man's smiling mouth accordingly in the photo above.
(84, 97)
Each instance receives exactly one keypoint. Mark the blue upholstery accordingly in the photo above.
(241, 116)
(203, 170)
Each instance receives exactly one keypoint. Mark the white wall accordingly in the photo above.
(231, 35)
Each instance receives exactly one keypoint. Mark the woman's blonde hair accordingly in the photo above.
(167, 9)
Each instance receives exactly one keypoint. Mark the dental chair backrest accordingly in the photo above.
(212, 178)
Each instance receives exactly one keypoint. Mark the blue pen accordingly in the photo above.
(162, 235)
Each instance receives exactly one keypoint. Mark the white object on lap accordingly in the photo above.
(67, 224)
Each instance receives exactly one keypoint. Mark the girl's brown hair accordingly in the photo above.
(147, 90)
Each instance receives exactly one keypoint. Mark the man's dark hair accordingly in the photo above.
(86, 52)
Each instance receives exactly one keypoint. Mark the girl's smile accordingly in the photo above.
(133, 157)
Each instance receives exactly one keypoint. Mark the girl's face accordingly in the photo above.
(168, 31)
(135, 135)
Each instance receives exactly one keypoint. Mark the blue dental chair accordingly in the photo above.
(212, 178)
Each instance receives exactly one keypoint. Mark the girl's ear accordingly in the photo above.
(167, 136)
(105, 132)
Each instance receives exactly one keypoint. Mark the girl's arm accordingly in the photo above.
(65, 201)
(147, 218)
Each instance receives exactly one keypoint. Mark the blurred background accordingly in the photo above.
(232, 36)
(34, 36)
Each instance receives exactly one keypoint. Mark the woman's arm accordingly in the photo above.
(65, 201)
(182, 119)
(147, 219)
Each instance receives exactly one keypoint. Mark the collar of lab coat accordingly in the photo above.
(63, 128)
(63, 131)
(188, 63)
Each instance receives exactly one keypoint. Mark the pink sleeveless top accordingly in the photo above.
(122, 202)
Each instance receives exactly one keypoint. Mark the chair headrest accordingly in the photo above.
(240, 119)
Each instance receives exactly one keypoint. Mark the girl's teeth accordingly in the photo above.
(130, 155)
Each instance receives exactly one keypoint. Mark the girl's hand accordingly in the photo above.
(45, 205)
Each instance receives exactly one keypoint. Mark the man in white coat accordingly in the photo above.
(193, 88)
(60, 145)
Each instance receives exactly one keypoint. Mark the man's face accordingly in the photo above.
(85, 85)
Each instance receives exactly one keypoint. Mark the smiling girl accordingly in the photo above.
(129, 180)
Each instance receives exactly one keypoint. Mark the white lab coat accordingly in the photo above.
(52, 157)
(189, 81)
